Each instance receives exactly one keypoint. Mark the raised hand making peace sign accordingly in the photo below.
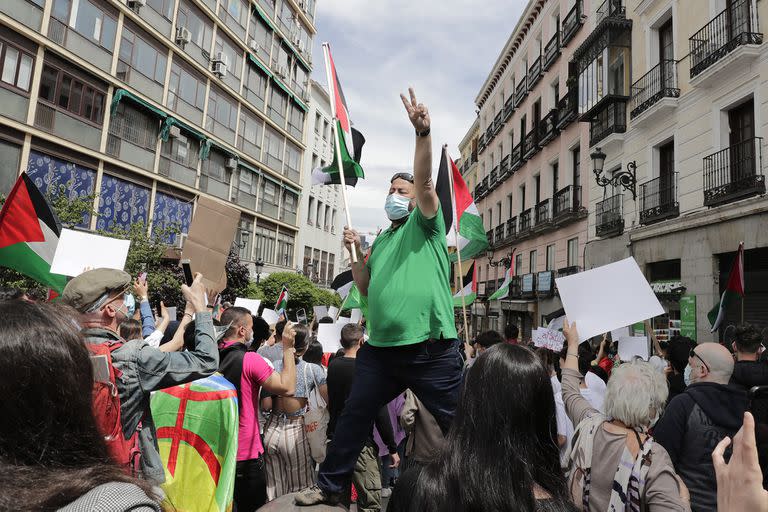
(417, 112)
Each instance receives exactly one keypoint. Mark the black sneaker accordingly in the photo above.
(316, 496)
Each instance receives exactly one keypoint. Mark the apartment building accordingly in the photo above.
(149, 104)
(675, 91)
(531, 190)
(468, 149)
(320, 231)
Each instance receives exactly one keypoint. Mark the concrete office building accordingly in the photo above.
(149, 104)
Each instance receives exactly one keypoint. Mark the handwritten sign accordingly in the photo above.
(548, 338)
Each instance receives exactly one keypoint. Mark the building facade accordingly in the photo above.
(321, 205)
(468, 150)
(531, 152)
(148, 104)
(680, 148)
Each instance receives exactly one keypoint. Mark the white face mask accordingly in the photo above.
(687, 375)
(396, 206)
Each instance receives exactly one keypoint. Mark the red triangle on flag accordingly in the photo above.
(18, 218)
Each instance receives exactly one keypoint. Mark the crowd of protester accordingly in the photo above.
(533, 429)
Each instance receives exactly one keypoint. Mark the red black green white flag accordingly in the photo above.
(468, 292)
(282, 301)
(463, 225)
(503, 291)
(733, 291)
(29, 234)
(350, 141)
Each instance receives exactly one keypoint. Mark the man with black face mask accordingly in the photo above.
(412, 335)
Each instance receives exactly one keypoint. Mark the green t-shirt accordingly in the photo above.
(409, 293)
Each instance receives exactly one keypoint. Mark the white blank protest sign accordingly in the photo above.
(618, 334)
(329, 336)
(251, 305)
(320, 311)
(356, 315)
(78, 251)
(333, 312)
(632, 346)
(270, 316)
(607, 298)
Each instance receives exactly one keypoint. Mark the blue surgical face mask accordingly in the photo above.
(396, 206)
(130, 304)
(687, 375)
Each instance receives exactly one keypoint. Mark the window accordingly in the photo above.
(15, 66)
(318, 123)
(532, 261)
(133, 125)
(490, 218)
(292, 162)
(290, 205)
(573, 252)
(518, 264)
(222, 110)
(182, 150)
(141, 55)
(235, 10)
(522, 197)
(307, 259)
(233, 54)
(323, 266)
(498, 211)
(325, 129)
(251, 130)
(551, 257)
(255, 86)
(243, 238)
(121, 204)
(333, 222)
(576, 166)
(555, 178)
(310, 210)
(269, 198)
(296, 121)
(319, 215)
(186, 86)
(265, 244)
(197, 23)
(331, 263)
(262, 35)
(162, 7)
(509, 205)
(278, 103)
(285, 242)
(88, 20)
(273, 144)
(606, 74)
(537, 189)
(215, 176)
(247, 187)
(72, 95)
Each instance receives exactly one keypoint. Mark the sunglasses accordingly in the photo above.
(693, 353)
(403, 176)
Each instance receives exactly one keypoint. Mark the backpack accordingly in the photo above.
(106, 408)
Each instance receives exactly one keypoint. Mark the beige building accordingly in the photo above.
(531, 191)
(676, 92)
(149, 104)
(468, 150)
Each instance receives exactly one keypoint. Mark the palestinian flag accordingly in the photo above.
(343, 283)
(459, 212)
(29, 234)
(468, 292)
(282, 301)
(733, 291)
(503, 291)
(350, 140)
(355, 300)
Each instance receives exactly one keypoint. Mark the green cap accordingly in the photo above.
(93, 286)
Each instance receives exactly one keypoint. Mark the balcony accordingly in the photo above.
(551, 52)
(521, 92)
(610, 119)
(504, 170)
(509, 107)
(512, 228)
(567, 109)
(543, 218)
(528, 286)
(572, 22)
(516, 158)
(531, 143)
(492, 177)
(498, 234)
(498, 122)
(489, 236)
(547, 128)
(489, 133)
(609, 219)
(566, 205)
(658, 199)
(734, 173)
(648, 93)
(568, 271)
(525, 223)
(610, 9)
(727, 43)
(481, 143)
(481, 189)
(534, 73)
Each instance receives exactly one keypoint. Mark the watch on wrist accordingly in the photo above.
(422, 134)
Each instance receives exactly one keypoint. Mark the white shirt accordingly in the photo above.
(564, 425)
(154, 339)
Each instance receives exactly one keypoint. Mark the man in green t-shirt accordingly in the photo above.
(412, 333)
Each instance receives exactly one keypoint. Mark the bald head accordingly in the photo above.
(717, 358)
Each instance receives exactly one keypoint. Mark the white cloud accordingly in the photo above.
(444, 49)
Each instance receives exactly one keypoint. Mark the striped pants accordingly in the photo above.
(289, 464)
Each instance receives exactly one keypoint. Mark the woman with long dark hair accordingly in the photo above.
(51, 454)
(501, 453)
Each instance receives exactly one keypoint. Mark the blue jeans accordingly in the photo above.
(431, 369)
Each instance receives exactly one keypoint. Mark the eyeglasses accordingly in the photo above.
(403, 176)
(693, 353)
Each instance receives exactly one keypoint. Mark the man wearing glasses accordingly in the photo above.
(413, 341)
(697, 419)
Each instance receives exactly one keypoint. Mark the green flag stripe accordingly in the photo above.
(21, 258)
(351, 167)
(468, 299)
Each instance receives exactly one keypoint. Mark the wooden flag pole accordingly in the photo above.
(743, 291)
(456, 233)
(334, 127)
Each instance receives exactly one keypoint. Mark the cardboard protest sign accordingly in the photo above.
(607, 298)
(78, 251)
(632, 346)
(548, 338)
(251, 305)
(329, 336)
(210, 238)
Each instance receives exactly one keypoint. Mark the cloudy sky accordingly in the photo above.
(443, 48)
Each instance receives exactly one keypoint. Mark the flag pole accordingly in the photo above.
(456, 234)
(334, 127)
(740, 255)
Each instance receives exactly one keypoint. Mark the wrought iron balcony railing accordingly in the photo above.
(492, 178)
(612, 118)
(509, 107)
(531, 143)
(521, 91)
(534, 73)
(504, 168)
(542, 213)
(610, 9)
(609, 219)
(498, 235)
(516, 158)
(734, 173)
(525, 222)
(548, 127)
(489, 236)
(567, 109)
(512, 228)
(660, 82)
(572, 22)
(658, 199)
(551, 51)
(566, 202)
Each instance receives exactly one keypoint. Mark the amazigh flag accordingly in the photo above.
(29, 234)
(350, 141)
(503, 291)
(468, 289)
(459, 212)
(733, 290)
(282, 301)
(197, 426)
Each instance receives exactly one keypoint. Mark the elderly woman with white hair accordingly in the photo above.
(614, 464)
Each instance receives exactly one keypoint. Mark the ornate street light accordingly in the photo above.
(627, 179)
(505, 262)
(259, 264)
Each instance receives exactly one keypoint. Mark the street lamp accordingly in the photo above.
(627, 179)
(259, 264)
(504, 262)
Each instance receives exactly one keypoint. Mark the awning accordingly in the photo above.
(249, 167)
(291, 189)
(263, 16)
(120, 94)
(165, 130)
(282, 86)
(300, 103)
(259, 65)
(271, 178)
